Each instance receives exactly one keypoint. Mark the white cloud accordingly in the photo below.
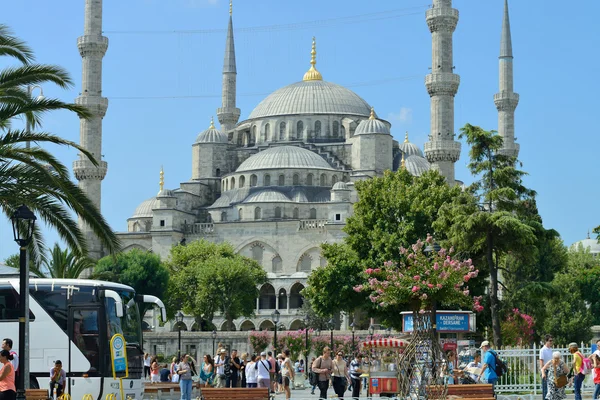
(404, 115)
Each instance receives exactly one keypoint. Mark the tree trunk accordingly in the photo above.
(494, 302)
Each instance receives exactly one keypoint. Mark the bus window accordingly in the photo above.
(9, 304)
(86, 335)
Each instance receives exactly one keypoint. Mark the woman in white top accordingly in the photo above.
(174, 367)
(147, 363)
(287, 373)
(251, 373)
(339, 372)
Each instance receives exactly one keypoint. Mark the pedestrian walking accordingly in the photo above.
(287, 373)
(251, 372)
(184, 371)
(147, 361)
(263, 367)
(488, 371)
(154, 371)
(8, 391)
(577, 366)
(553, 369)
(221, 378)
(339, 373)
(323, 366)
(355, 372)
(207, 372)
(596, 364)
(545, 357)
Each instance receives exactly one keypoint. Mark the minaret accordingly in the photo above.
(229, 114)
(92, 47)
(442, 151)
(506, 100)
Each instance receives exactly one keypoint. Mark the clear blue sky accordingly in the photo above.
(162, 75)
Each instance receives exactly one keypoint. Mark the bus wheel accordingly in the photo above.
(33, 382)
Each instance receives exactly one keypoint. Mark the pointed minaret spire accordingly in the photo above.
(229, 114)
(506, 99)
(161, 182)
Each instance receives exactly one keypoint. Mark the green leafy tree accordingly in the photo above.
(31, 175)
(585, 271)
(12, 261)
(330, 289)
(209, 278)
(395, 211)
(494, 216)
(137, 268)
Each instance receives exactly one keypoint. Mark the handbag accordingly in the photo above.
(560, 380)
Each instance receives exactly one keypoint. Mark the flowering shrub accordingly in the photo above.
(260, 340)
(517, 328)
(295, 341)
(421, 280)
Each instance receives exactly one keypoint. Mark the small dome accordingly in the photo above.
(340, 186)
(144, 210)
(212, 135)
(410, 149)
(372, 126)
(282, 157)
(592, 244)
(267, 196)
(416, 165)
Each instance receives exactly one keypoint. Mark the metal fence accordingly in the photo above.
(524, 375)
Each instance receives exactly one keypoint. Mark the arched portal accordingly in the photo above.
(247, 325)
(267, 297)
(296, 300)
(282, 299)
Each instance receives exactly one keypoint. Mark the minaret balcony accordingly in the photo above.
(89, 44)
(84, 169)
(442, 19)
(506, 101)
(442, 83)
(94, 102)
(442, 150)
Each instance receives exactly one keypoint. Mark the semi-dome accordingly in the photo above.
(311, 97)
(212, 135)
(267, 196)
(372, 126)
(298, 196)
(144, 210)
(410, 149)
(284, 157)
(416, 165)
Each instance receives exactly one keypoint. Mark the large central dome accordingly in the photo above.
(311, 97)
(282, 157)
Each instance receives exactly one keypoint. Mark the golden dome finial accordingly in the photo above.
(372, 116)
(406, 137)
(312, 74)
(230, 7)
(161, 183)
(403, 162)
(212, 123)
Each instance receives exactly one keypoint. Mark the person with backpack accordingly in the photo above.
(323, 367)
(577, 368)
(488, 371)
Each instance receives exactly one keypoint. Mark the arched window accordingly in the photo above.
(240, 214)
(323, 180)
(305, 263)
(281, 180)
(218, 172)
(276, 264)
(267, 180)
(242, 181)
(309, 180)
(267, 297)
(343, 131)
(295, 180)
(282, 131)
(277, 212)
(253, 180)
(296, 300)
(317, 128)
(239, 140)
(224, 216)
(334, 180)
(300, 129)
(344, 178)
(282, 299)
(257, 253)
(253, 138)
(257, 213)
(313, 213)
(226, 185)
(336, 128)
(296, 213)
(267, 132)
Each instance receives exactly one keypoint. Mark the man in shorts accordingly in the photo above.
(287, 373)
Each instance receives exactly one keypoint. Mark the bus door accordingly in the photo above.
(84, 373)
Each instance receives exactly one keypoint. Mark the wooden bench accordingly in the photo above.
(477, 391)
(166, 390)
(36, 394)
(235, 393)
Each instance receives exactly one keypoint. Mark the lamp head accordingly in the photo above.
(371, 329)
(213, 334)
(23, 222)
(179, 316)
(275, 316)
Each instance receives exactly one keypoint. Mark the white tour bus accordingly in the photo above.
(72, 320)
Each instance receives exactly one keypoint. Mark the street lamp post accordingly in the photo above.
(275, 317)
(371, 331)
(214, 336)
(306, 321)
(23, 223)
(331, 326)
(179, 319)
(353, 347)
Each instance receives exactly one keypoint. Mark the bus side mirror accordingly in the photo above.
(147, 298)
(118, 303)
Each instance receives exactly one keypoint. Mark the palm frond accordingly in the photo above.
(35, 108)
(14, 47)
(34, 74)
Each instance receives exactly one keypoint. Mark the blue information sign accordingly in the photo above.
(445, 322)
(118, 353)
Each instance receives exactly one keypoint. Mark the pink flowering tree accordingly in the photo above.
(517, 329)
(295, 341)
(421, 281)
(259, 340)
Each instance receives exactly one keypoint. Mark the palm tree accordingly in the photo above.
(62, 264)
(32, 175)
